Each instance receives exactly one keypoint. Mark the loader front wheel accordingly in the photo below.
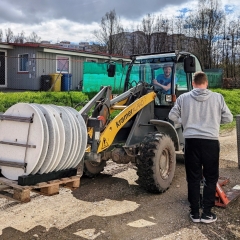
(156, 162)
(92, 169)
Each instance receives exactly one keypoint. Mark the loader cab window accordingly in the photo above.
(182, 83)
(198, 67)
(162, 78)
(140, 73)
(134, 76)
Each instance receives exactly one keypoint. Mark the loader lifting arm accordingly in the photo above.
(102, 131)
(122, 118)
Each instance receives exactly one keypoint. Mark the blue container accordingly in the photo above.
(66, 84)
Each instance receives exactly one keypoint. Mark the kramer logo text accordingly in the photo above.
(131, 112)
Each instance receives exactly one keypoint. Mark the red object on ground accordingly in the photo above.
(222, 198)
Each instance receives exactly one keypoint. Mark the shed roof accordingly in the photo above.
(5, 46)
(53, 48)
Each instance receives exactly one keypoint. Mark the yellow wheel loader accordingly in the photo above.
(141, 132)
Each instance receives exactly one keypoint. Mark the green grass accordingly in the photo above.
(78, 99)
(232, 99)
(58, 98)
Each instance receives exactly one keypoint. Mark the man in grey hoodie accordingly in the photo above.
(201, 112)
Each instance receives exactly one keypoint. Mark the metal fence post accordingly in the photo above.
(238, 137)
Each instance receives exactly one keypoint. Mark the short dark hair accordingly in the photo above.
(167, 65)
(200, 78)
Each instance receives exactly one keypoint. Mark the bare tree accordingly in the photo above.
(206, 22)
(230, 47)
(236, 49)
(160, 39)
(1, 35)
(148, 29)
(20, 38)
(180, 34)
(137, 43)
(205, 31)
(131, 41)
(9, 35)
(33, 37)
(111, 33)
(150, 35)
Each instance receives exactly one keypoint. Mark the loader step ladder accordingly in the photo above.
(222, 199)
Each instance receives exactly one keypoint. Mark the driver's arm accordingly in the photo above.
(166, 88)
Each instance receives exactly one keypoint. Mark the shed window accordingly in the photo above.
(23, 62)
(63, 64)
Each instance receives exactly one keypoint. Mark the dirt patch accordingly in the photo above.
(112, 206)
(228, 144)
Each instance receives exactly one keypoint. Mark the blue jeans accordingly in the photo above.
(201, 160)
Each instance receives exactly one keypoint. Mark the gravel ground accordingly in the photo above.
(112, 206)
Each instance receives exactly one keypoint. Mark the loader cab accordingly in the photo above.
(151, 69)
(147, 67)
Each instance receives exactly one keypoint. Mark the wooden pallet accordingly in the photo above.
(11, 190)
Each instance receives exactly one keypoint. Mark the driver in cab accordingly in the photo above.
(163, 81)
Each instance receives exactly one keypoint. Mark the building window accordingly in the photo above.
(63, 64)
(91, 60)
(23, 62)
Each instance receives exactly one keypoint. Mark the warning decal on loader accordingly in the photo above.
(104, 143)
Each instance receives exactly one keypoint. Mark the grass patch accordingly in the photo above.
(70, 99)
(232, 99)
(78, 99)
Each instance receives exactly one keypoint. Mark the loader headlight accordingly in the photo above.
(170, 98)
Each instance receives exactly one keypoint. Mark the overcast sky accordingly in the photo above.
(75, 20)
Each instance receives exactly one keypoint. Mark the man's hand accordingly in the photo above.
(155, 82)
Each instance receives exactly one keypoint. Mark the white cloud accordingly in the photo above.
(55, 31)
(75, 21)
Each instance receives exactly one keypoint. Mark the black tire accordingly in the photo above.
(92, 169)
(156, 163)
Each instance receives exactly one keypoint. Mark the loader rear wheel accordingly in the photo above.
(92, 169)
(156, 163)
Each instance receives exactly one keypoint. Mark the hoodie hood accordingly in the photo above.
(200, 94)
